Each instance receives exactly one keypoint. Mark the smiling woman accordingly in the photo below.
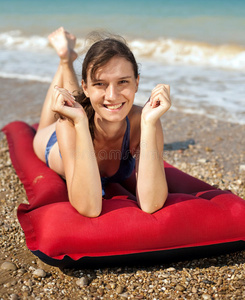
(101, 117)
(112, 92)
(109, 151)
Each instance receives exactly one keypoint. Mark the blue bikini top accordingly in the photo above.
(127, 162)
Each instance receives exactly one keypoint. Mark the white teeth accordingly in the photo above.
(113, 106)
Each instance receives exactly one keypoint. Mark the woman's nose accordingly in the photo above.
(111, 92)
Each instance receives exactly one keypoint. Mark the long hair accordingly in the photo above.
(97, 56)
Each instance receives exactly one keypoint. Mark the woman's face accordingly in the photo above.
(112, 90)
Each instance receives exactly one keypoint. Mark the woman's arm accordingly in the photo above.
(76, 147)
(152, 187)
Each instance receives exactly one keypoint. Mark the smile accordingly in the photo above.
(113, 107)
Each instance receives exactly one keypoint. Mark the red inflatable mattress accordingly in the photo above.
(197, 218)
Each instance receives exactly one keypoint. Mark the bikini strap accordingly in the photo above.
(126, 141)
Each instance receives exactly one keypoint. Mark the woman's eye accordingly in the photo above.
(123, 81)
(98, 84)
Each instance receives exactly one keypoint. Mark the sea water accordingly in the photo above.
(198, 47)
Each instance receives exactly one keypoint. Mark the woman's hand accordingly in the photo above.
(65, 105)
(158, 104)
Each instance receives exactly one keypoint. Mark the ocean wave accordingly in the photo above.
(166, 50)
(194, 53)
(27, 77)
(15, 40)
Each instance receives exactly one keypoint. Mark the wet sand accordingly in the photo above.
(21, 100)
(210, 150)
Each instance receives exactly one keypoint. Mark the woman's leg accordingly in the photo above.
(64, 43)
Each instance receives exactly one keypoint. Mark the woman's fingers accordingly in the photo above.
(61, 99)
(68, 99)
(160, 89)
(160, 96)
(65, 105)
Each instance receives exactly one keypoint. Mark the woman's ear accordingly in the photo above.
(84, 86)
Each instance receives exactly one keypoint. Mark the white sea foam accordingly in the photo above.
(195, 53)
(15, 40)
(28, 77)
(165, 50)
(204, 79)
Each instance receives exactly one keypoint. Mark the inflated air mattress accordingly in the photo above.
(197, 219)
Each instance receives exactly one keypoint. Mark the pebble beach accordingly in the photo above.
(211, 150)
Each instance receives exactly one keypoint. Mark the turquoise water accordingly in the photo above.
(198, 47)
(214, 21)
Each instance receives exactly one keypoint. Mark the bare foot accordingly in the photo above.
(64, 44)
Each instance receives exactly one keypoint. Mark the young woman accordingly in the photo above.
(102, 144)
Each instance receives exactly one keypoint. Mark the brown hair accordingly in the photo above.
(97, 56)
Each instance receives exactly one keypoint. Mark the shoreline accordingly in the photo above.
(210, 150)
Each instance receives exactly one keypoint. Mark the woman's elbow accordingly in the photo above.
(87, 209)
(89, 213)
(151, 207)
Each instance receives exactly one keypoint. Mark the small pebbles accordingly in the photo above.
(14, 297)
(180, 288)
(206, 297)
(8, 266)
(39, 273)
(119, 289)
(83, 281)
(242, 168)
(124, 295)
(202, 160)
